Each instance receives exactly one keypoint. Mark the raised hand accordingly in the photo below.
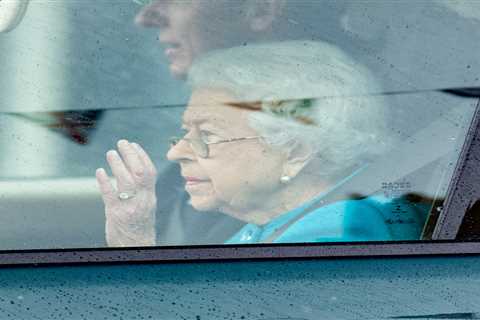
(129, 208)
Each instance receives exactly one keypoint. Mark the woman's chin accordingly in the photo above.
(203, 203)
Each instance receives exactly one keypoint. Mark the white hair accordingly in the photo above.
(311, 93)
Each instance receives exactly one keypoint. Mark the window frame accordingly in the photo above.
(191, 254)
(460, 195)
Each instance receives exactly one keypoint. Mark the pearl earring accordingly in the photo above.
(285, 179)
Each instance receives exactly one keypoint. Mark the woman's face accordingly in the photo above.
(189, 28)
(237, 176)
(179, 30)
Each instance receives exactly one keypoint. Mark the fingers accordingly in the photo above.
(132, 167)
(131, 159)
(125, 182)
(147, 162)
(105, 186)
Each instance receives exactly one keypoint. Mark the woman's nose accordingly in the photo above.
(180, 151)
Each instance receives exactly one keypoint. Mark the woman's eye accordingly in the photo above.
(208, 136)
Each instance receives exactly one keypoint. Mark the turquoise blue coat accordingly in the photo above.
(374, 218)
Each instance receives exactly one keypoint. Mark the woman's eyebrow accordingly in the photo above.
(213, 120)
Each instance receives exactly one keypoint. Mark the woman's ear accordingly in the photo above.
(297, 158)
(262, 14)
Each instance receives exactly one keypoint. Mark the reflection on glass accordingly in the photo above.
(284, 134)
(305, 149)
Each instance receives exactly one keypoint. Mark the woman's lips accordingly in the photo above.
(179, 62)
(195, 186)
(193, 181)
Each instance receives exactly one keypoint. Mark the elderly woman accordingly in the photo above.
(259, 146)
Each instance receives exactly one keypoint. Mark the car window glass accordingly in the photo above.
(264, 121)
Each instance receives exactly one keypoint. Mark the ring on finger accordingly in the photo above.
(126, 195)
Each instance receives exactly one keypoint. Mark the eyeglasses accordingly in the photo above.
(200, 146)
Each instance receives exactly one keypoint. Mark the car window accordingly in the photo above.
(160, 123)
